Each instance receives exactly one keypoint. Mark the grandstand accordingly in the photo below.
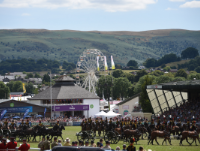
(167, 96)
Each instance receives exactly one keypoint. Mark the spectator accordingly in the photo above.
(73, 144)
(117, 148)
(7, 138)
(86, 144)
(80, 143)
(98, 144)
(46, 144)
(140, 148)
(24, 146)
(92, 144)
(40, 145)
(131, 146)
(67, 142)
(76, 143)
(59, 142)
(54, 143)
(107, 145)
(3, 145)
(101, 142)
(124, 147)
(12, 144)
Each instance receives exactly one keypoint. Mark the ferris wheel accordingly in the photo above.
(87, 64)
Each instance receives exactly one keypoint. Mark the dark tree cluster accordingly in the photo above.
(193, 64)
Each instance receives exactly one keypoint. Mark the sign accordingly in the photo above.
(91, 106)
(16, 109)
(154, 86)
(70, 107)
(125, 112)
(125, 107)
(11, 104)
(26, 112)
(76, 123)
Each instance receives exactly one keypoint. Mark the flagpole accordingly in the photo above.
(51, 94)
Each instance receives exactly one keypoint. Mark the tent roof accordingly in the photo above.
(101, 113)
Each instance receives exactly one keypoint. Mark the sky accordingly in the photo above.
(101, 15)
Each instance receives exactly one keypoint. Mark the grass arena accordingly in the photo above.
(70, 132)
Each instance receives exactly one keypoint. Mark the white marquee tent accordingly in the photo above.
(100, 114)
(111, 114)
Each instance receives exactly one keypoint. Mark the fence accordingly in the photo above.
(16, 149)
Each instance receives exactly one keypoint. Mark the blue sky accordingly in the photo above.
(102, 15)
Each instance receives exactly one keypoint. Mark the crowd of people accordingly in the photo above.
(186, 111)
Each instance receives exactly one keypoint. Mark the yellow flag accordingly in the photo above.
(112, 63)
(20, 97)
(105, 63)
(24, 89)
(97, 63)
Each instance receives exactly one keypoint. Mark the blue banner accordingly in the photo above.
(3, 113)
(16, 109)
(76, 123)
(45, 112)
(26, 112)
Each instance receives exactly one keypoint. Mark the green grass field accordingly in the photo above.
(70, 132)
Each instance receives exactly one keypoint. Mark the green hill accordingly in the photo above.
(68, 45)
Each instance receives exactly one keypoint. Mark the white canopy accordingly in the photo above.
(100, 113)
(111, 114)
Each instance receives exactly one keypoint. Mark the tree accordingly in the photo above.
(194, 75)
(163, 79)
(4, 91)
(29, 88)
(46, 78)
(132, 63)
(37, 75)
(10, 85)
(178, 79)
(150, 63)
(29, 75)
(121, 87)
(117, 73)
(140, 74)
(181, 73)
(118, 66)
(104, 87)
(190, 52)
(197, 69)
(17, 87)
(156, 73)
(129, 76)
(167, 68)
(144, 101)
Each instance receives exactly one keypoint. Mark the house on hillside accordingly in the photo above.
(173, 70)
(35, 80)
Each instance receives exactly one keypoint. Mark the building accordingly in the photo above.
(129, 104)
(19, 107)
(67, 99)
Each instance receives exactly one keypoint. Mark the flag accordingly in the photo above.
(105, 63)
(26, 112)
(112, 63)
(10, 96)
(3, 113)
(24, 89)
(45, 112)
(20, 97)
(97, 63)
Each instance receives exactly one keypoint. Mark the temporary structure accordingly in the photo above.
(111, 114)
(100, 114)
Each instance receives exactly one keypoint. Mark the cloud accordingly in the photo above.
(192, 4)
(25, 14)
(177, 0)
(107, 5)
(169, 8)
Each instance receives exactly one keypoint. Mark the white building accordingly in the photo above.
(68, 99)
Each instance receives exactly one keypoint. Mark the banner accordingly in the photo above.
(112, 63)
(24, 89)
(3, 113)
(105, 63)
(97, 63)
(26, 112)
(16, 109)
(70, 107)
(45, 112)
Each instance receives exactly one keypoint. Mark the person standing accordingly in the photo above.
(67, 142)
(12, 144)
(59, 142)
(3, 145)
(40, 145)
(107, 145)
(101, 142)
(24, 146)
(131, 146)
(55, 143)
(46, 144)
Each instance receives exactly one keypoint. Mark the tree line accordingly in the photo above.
(31, 65)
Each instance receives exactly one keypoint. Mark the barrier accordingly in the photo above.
(16, 149)
(76, 123)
